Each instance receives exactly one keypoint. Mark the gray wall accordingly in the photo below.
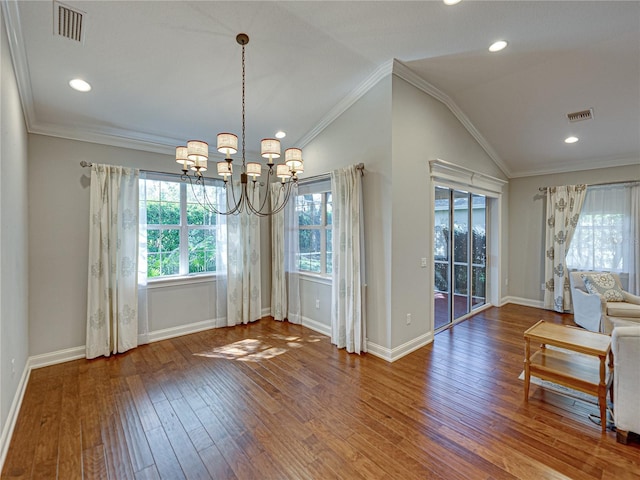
(395, 129)
(526, 225)
(58, 246)
(361, 134)
(13, 237)
(423, 129)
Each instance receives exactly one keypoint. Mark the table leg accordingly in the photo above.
(602, 393)
(527, 373)
(611, 373)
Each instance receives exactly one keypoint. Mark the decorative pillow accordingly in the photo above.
(603, 284)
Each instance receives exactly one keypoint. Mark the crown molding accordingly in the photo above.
(593, 163)
(378, 74)
(110, 136)
(12, 24)
(405, 73)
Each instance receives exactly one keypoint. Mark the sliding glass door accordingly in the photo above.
(459, 254)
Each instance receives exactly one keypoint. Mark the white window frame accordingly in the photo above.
(183, 227)
(322, 187)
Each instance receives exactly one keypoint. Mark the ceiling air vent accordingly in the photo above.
(579, 116)
(68, 22)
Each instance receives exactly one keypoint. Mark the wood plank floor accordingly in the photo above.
(273, 400)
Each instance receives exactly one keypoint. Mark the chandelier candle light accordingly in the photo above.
(195, 155)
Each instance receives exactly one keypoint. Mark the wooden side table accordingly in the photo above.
(585, 370)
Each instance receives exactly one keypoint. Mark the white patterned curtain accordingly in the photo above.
(563, 212)
(238, 285)
(143, 305)
(348, 322)
(285, 280)
(112, 303)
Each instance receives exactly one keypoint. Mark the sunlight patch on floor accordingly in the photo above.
(248, 350)
(260, 348)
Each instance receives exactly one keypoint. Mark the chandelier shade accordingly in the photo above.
(195, 156)
(270, 148)
(283, 172)
(225, 169)
(197, 150)
(183, 158)
(293, 158)
(254, 169)
(227, 143)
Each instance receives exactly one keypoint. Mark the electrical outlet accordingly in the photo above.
(408, 319)
(317, 303)
(423, 262)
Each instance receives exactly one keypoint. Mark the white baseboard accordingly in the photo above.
(527, 302)
(53, 358)
(391, 355)
(316, 326)
(12, 417)
(180, 330)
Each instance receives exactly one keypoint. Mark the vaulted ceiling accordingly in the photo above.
(163, 72)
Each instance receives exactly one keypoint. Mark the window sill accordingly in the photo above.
(180, 280)
(316, 278)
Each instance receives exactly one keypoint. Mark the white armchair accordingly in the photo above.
(625, 345)
(595, 312)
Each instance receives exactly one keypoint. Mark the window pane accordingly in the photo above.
(170, 240)
(309, 209)
(202, 250)
(170, 264)
(153, 241)
(441, 276)
(329, 251)
(478, 284)
(460, 225)
(198, 215)
(329, 208)
(150, 190)
(441, 230)
(198, 200)
(163, 257)
(479, 238)
(169, 203)
(310, 251)
(163, 202)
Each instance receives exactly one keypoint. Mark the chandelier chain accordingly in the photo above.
(243, 108)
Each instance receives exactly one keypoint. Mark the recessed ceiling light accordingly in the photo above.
(280, 134)
(571, 139)
(451, 2)
(79, 85)
(497, 46)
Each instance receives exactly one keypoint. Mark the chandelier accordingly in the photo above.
(243, 196)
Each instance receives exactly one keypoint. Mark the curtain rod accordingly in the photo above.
(628, 182)
(360, 167)
(86, 164)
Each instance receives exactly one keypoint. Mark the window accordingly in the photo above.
(604, 237)
(181, 233)
(314, 211)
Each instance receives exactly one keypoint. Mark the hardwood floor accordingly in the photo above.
(273, 400)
